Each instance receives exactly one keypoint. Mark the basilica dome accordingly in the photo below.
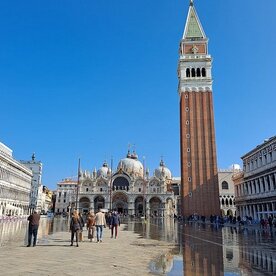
(104, 171)
(131, 165)
(162, 171)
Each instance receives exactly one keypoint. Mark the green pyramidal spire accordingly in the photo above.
(193, 27)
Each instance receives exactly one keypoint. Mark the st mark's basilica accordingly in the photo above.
(122, 190)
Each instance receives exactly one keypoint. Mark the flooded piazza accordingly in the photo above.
(200, 249)
(16, 231)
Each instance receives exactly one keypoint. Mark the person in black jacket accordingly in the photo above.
(33, 228)
(75, 227)
(114, 223)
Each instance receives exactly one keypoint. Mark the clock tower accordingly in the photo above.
(199, 186)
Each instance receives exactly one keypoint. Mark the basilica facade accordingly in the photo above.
(129, 189)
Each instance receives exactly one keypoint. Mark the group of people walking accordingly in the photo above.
(94, 223)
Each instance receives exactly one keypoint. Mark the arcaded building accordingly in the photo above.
(200, 193)
(255, 186)
(227, 190)
(15, 185)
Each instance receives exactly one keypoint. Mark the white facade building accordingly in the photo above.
(255, 187)
(130, 190)
(15, 184)
(37, 188)
(227, 191)
(46, 200)
(65, 195)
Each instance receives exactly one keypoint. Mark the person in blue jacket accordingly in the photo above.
(114, 223)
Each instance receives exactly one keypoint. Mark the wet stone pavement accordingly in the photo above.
(157, 246)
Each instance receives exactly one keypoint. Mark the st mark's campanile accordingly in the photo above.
(199, 186)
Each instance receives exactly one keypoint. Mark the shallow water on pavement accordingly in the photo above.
(203, 249)
(199, 249)
(16, 231)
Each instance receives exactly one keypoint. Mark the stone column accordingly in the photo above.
(257, 186)
(266, 184)
(147, 208)
(258, 210)
(261, 184)
(254, 211)
(250, 211)
(268, 207)
(268, 263)
(255, 257)
(252, 187)
(242, 211)
(91, 207)
(243, 189)
(271, 182)
(131, 208)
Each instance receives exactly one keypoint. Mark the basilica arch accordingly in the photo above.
(155, 205)
(120, 202)
(99, 203)
(140, 206)
(120, 183)
(84, 204)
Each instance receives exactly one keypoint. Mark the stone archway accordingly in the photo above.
(120, 183)
(84, 204)
(120, 203)
(140, 206)
(155, 205)
(229, 212)
(99, 203)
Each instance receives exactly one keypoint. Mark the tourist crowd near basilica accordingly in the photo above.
(201, 188)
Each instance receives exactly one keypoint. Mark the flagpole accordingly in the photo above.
(110, 190)
(144, 189)
(77, 196)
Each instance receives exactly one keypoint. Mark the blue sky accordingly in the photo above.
(83, 79)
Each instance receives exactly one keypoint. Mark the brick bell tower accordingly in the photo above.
(199, 186)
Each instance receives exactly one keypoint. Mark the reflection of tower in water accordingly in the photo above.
(202, 252)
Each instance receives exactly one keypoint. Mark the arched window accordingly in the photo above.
(198, 72)
(224, 185)
(193, 72)
(188, 73)
(222, 202)
(226, 202)
(203, 70)
(230, 202)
